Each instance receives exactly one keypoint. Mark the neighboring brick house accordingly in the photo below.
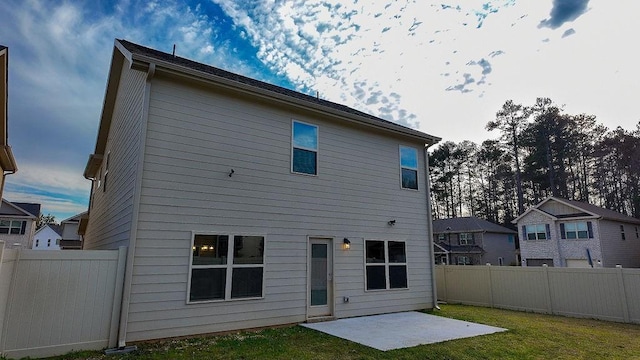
(18, 223)
(473, 241)
(567, 233)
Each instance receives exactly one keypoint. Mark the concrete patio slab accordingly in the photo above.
(401, 330)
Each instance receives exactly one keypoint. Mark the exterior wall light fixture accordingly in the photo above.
(346, 244)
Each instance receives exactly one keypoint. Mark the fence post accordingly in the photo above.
(488, 267)
(444, 281)
(117, 297)
(547, 287)
(623, 294)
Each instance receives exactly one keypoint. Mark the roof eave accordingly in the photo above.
(7, 161)
(93, 164)
(282, 98)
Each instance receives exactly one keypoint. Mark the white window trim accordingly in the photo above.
(544, 227)
(466, 241)
(229, 266)
(386, 266)
(11, 227)
(417, 169)
(576, 231)
(464, 262)
(317, 151)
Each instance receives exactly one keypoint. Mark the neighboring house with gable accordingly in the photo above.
(47, 237)
(244, 204)
(18, 223)
(71, 232)
(567, 233)
(7, 161)
(473, 241)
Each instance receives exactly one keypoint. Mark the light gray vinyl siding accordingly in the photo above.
(111, 212)
(70, 231)
(195, 136)
(616, 251)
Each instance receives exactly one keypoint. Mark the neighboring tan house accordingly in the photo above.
(18, 223)
(244, 204)
(47, 237)
(71, 232)
(7, 161)
(473, 241)
(567, 233)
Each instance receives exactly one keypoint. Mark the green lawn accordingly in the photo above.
(530, 336)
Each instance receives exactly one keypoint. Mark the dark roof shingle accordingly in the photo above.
(468, 224)
(605, 213)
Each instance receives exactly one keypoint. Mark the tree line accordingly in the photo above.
(541, 151)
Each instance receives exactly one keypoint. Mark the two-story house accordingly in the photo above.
(473, 241)
(47, 237)
(567, 233)
(70, 232)
(244, 204)
(7, 161)
(18, 223)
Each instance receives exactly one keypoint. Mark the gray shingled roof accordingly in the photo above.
(468, 224)
(169, 58)
(605, 213)
(31, 208)
(2, 47)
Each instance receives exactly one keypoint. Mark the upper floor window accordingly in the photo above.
(466, 238)
(386, 265)
(409, 167)
(441, 237)
(226, 267)
(576, 230)
(622, 232)
(536, 232)
(304, 148)
(14, 227)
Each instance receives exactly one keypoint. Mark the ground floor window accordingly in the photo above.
(226, 267)
(386, 264)
(464, 260)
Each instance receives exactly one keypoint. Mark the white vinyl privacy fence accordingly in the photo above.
(52, 302)
(602, 293)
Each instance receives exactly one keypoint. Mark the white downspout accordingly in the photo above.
(128, 276)
(430, 228)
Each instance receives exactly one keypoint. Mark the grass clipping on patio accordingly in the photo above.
(530, 336)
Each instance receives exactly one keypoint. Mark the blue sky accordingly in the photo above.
(441, 67)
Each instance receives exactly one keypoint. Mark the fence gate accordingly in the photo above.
(52, 302)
